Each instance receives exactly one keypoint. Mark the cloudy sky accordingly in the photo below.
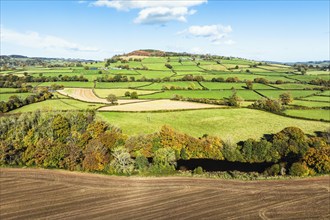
(98, 29)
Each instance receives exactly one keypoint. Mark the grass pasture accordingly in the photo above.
(318, 98)
(296, 86)
(103, 93)
(155, 74)
(274, 94)
(213, 94)
(312, 104)
(318, 114)
(247, 123)
(8, 90)
(70, 84)
(5, 96)
(325, 93)
(159, 86)
(57, 105)
(120, 85)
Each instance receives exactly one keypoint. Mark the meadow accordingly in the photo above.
(247, 123)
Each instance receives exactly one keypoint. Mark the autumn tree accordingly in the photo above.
(249, 84)
(285, 98)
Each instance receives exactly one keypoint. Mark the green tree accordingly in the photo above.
(233, 100)
(112, 99)
(291, 141)
(141, 163)
(134, 95)
(299, 169)
(164, 161)
(61, 127)
(127, 94)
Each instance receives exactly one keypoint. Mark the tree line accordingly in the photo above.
(78, 141)
(15, 101)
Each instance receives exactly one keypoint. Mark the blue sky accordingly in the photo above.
(263, 30)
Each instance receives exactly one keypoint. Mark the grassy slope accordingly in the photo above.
(312, 114)
(310, 104)
(319, 98)
(114, 85)
(5, 96)
(274, 94)
(70, 84)
(245, 94)
(103, 93)
(57, 104)
(238, 124)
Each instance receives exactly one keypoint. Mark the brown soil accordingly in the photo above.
(87, 95)
(53, 194)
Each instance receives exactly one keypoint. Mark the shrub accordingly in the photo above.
(198, 170)
(286, 98)
(273, 170)
(127, 94)
(299, 169)
(134, 95)
(268, 105)
(141, 163)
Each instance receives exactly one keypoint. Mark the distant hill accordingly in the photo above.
(147, 52)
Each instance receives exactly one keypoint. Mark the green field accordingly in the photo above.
(308, 78)
(159, 86)
(220, 85)
(310, 103)
(119, 85)
(317, 114)
(319, 98)
(237, 124)
(274, 94)
(8, 90)
(325, 93)
(5, 96)
(57, 104)
(317, 72)
(296, 86)
(213, 94)
(70, 84)
(103, 93)
(155, 74)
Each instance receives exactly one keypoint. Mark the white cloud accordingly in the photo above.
(152, 11)
(47, 42)
(162, 15)
(217, 34)
(82, 2)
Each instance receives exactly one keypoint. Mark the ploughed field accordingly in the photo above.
(53, 194)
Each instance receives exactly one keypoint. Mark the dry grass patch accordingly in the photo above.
(88, 95)
(158, 105)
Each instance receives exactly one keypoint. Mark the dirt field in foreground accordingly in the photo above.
(158, 105)
(88, 95)
(51, 194)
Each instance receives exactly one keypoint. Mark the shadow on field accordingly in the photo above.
(222, 165)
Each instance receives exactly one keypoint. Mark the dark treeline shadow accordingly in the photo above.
(222, 165)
